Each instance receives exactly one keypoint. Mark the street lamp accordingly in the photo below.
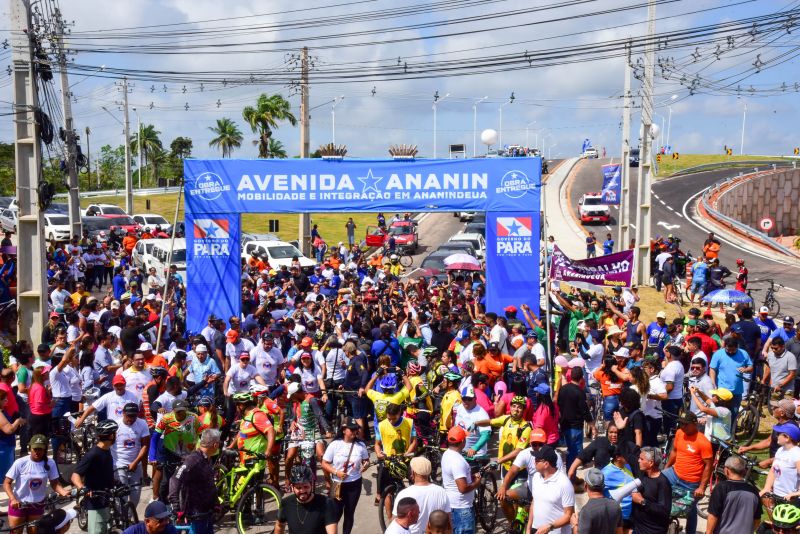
(336, 100)
(475, 126)
(545, 136)
(139, 144)
(436, 101)
(500, 130)
(550, 150)
(527, 136)
(744, 120)
(669, 121)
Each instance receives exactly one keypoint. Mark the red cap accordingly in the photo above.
(232, 336)
(538, 436)
(118, 379)
(510, 309)
(456, 435)
(306, 342)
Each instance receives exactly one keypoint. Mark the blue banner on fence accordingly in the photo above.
(612, 183)
(512, 260)
(213, 268)
(308, 185)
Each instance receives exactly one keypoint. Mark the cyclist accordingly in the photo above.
(451, 398)
(152, 391)
(305, 512)
(192, 490)
(175, 436)
(394, 265)
(786, 519)
(396, 436)
(308, 421)
(207, 415)
(389, 394)
(466, 415)
(95, 471)
(256, 433)
(130, 450)
(420, 403)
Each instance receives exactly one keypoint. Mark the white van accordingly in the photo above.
(476, 240)
(276, 253)
(159, 256)
(142, 251)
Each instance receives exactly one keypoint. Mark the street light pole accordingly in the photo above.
(139, 144)
(436, 100)
(475, 126)
(333, 117)
(744, 119)
(500, 130)
(550, 150)
(669, 121)
(527, 136)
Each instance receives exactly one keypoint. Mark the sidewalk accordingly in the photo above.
(570, 238)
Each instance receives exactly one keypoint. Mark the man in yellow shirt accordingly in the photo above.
(449, 400)
(514, 432)
(395, 437)
(390, 393)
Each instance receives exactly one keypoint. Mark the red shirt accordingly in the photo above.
(707, 344)
(12, 408)
(39, 400)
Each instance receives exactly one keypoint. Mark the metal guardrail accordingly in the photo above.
(745, 229)
(733, 164)
(120, 192)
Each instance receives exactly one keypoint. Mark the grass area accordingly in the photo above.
(331, 225)
(670, 166)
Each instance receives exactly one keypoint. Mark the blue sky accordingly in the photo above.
(562, 104)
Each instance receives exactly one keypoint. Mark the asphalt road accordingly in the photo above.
(673, 213)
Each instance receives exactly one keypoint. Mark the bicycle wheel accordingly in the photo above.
(258, 508)
(773, 305)
(128, 515)
(406, 260)
(83, 515)
(747, 425)
(386, 503)
(485, 502)
(223, 483)
(435, 457)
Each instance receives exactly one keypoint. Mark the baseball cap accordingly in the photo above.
(421, 466)
(131, 408)
(510, 309)
(145, 346)
(180, 406)
(532, 335)
(538, 435)
(456, 435)
(54, 314)
(232, 335)
(201, 348)
(787, 405)
(118, 379)
(688, 417)
(114, 304)
(660, 315)
(594, 478)
(786, 428)
(306, 342)
(494, 345)
(244, 355)
(722, 393)
(156, 510)
(764, 310)
(293, 388)
(55, 520)
(151, 296)
(622, 352)
(788, 319)
(542, 389)
(38, 440)
(548, 454)
(467, 392)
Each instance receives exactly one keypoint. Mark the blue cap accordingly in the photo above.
(790, 430)
(134, 299)
(542, 389)
(156, 510)
(462, 335)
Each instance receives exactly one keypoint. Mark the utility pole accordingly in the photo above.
(31, 283)
(625, 202)
(89, 162)
(128, 176)
(305, 218)
(643, 222)
(71, 137)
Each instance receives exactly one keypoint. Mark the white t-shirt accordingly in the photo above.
(335, 364)
(454, 466)
(650, 407)
(166, 400)
(673, 372)
(553, 495)
(129, 442)
(429, 498)
(525, 460)
(31, 480)
(136, 381)
(337, 455)
(499, 334)
(466, 419)
(267, 363)
(394, 528)
(61, 381)
(233, 350)
(785, 468)
(594, 359)
(240, 378)
(114, 403)
(309, 378)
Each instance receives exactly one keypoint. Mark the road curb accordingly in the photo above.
(559, 223)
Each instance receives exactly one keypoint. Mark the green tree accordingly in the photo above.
(267, 113)
(150, 142)
(276, 149)
(228, 136)
(181, 147)
(111, 166)
(159, 159)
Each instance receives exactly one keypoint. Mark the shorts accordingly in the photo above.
(698, 287)
(28, 511)
(520, 486)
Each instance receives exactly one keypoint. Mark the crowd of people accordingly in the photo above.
(365, 366)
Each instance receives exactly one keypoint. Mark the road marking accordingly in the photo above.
(656, 196)
(734, 245)
(670, 208)
(608, 228)
(662, 202)
(668, 226)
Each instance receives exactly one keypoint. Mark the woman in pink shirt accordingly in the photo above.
(40, 401)
(546, 414)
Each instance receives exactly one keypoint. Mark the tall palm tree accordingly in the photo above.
(276, 149)
(267, 113)
(150, 142)
(228, 136)
(158, 159)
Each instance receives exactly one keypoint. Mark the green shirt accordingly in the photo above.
(405, 342)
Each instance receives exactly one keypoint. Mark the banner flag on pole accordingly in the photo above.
(612, 184)
(594, 274)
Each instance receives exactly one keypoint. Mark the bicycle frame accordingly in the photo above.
(237, 485)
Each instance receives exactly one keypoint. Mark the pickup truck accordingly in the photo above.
(405, 236)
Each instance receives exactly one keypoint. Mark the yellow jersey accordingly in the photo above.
(450, 399)
(382, 400)
(513, 435)
(395, 439)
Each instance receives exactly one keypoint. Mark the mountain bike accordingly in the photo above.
(520, 520)
(243, 488)
(398, 469)
(769, 296)
(122, 512)
(746, 425)
(595, 400)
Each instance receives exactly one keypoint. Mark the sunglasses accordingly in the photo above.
(697, 367)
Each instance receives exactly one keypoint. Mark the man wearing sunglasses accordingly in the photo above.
(699, 379)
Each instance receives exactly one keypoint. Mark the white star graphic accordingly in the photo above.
(370, 182)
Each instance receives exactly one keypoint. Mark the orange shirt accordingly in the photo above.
(690, 453)
(156, 361)
(128, 243)
(335, 262)
(608, 385)
(491, 367)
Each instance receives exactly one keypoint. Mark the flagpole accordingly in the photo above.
(543, 205)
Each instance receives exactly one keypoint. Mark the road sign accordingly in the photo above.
(766, 224)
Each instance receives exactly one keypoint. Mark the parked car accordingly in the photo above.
(592, 209)
(276, 253)
(56, 227)
(476, 240)
(160, 259)
(5, 202)
(142, 250)
(633, 157)
(152, 220)
(95, 225)
(476, 228)
(8, 220)
(434, 263)
(457, 247)
(102, 209)
(404, 232)
(466, 215)
(246, 238)
(123, 222)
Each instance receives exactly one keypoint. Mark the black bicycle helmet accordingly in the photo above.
(301, 474)
(106, 428)
(155, 372)
(206, 402)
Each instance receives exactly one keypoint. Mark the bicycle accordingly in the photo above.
(769, 296)
(243, 488)
(595, 399)
(405, 259)
(746, 425)
(486, 504)
(520, 520)
(398, 470)
(122, 512)
(682, 501)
